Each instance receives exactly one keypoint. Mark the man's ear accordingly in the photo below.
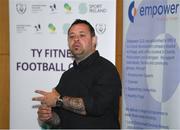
(94, 41)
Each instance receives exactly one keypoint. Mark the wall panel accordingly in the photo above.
(4, 65)
(4, 27)
(119, 43)
(4, 92)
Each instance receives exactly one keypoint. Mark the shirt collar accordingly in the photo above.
(88, 61)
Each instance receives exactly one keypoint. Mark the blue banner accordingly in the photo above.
(151, 64)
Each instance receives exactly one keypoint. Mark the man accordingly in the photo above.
(87, 95)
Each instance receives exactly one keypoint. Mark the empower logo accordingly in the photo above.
(132, 11)
(152, 10)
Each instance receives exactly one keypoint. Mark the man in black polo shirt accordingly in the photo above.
(87, 95)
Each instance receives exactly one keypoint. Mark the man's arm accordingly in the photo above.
(54, 120)
(74, 104)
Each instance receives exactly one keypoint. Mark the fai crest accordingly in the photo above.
(21, 8)
(100, 28)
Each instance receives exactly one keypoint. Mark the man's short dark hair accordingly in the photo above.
(80, 21)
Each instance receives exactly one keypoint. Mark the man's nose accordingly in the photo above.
(76, 38)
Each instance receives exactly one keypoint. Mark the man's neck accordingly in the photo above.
(78, 60)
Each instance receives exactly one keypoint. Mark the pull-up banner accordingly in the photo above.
(38, 47)
(151, 64)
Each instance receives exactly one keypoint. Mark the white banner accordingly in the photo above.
(38, 47)
(151, 64)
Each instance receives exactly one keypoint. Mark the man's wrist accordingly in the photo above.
(54, 120)
(59, 102)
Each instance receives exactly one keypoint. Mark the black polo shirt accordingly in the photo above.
(97, 82)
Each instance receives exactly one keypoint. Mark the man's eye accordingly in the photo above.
(71, 36)
(82, 35)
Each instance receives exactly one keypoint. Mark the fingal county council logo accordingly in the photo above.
(100, 28)
(83, 8)
(132, 11)
(21, 8)
(67, 8)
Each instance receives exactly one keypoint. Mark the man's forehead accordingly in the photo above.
(79, 29)
(80, 25)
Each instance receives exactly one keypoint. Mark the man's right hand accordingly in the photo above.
(48, 98)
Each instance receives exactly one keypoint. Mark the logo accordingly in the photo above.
(97, 8)
(21, 8)
(51, 27)
(155, 10)
(22, 28)
(132, 11)
(83, 8)
(159, 10)
(65, 28)
(67, 8)
(38, 8)
(100, 28)
(37, 27)
(53, 7)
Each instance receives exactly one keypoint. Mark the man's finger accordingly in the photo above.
(41, 92)
(38, 99)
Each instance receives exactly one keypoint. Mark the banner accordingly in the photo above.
(38, 47)
(151, 64)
